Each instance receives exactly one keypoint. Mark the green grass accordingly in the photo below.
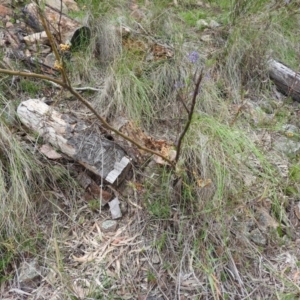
(191, 17)
(30, 87)
(24, 182)
(158, 194)
(7, 254)
(294, 173)
(132, 91)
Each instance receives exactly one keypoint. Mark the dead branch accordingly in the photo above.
(190, 115)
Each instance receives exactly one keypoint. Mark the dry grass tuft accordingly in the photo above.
(19, 181)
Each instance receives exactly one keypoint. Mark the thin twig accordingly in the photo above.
(84, 88)
(59, 22)
(189, 121)
(183, 103)
(52, 44)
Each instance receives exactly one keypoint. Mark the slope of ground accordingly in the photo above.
(224, 224)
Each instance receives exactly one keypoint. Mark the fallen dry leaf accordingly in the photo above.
(137, 186)
(203, 182)
(167, 152)
(92, 256)
(161, 52)
(137, 134)
(92, 189)
(296, 276)
(48, 151)
(118, 240)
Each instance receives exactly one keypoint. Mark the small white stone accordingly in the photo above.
(201, 23)
(9, 24)
(206, 38)
(213, 24)
(155, 259)
(115, 210)
(109, 225)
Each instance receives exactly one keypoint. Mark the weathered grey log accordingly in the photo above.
(286, 80)
(77, 139)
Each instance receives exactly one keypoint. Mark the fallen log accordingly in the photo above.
(286, 80)
(77, 139)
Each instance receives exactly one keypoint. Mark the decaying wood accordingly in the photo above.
(286, 80)
(77, 139)
(92, 189)
(64, 28)
(40, 37)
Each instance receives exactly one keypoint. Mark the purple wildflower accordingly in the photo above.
(193, 57)
(207, 77)
(179, 85)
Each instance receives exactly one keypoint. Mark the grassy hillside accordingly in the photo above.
(224, 224)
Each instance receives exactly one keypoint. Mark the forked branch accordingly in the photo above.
(190, 116)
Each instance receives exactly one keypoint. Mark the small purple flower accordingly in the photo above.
(179, 85)
(207, 77)
(193, 57)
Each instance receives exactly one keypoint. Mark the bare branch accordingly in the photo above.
(52, 43)
(191, 111)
